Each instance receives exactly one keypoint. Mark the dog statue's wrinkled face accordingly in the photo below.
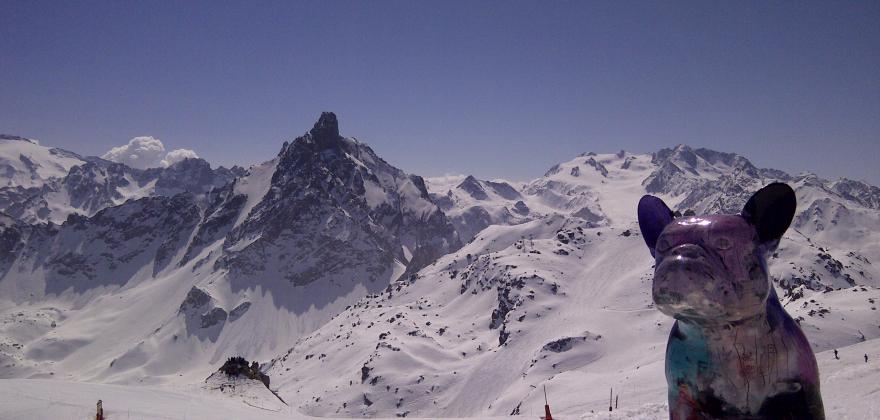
(712, 269)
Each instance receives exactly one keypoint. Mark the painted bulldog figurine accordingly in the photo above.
(733, 353)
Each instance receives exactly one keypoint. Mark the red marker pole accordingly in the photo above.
(547, 415)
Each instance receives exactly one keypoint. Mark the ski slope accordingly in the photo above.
(849, 387)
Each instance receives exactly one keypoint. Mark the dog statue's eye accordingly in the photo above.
(662, 245)
(722, 243)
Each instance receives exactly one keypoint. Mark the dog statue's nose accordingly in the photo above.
(687, 251)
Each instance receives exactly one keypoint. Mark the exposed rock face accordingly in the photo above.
(97, 184)
(25, 163)
(239, 311)
(313, 229)
(521, 208)
(597, 166)
(92, 187)
(195, 299)
(15, 138)
(271, 254)
(12, 240)
(238, 366)
(326, 127)
(504, 190)
(213, 317)
(335, 209)
(859, 192)
(110, 247)
(223, 207)
(472, 204)
(477, 189)
(473, 187)
(201, 315)
(710, 181)
(190, 175)
(563, 344)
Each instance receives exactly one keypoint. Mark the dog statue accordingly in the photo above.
(733, 353)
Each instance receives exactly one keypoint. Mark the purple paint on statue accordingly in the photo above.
(733, 352)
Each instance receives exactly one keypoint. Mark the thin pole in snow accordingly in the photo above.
(547, 415)
(610, 399)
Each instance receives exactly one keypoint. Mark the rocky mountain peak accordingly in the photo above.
(326, 127)
(681, 153)
(324, 135)
(334, 197)
(472, 186)
(700, 160)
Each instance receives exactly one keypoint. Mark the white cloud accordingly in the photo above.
(146, 152)
(178, 155)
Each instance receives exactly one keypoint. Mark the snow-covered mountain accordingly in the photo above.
(370, 291)
(61, 183)
(556, 298)
(25, 163)
(834, 237)
(472, 205)
(332, 207)
(161, 286)
(551, 302)
(570, 188)
(564, 300)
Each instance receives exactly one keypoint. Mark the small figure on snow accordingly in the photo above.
(835, 354)
(100, 413)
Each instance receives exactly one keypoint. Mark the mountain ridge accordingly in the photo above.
(329, 261)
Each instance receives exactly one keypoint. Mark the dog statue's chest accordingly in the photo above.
(729, 373)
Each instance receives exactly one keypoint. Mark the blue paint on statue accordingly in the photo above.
(690, 358)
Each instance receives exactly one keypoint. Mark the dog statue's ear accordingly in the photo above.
(771, 211)
(654, 215)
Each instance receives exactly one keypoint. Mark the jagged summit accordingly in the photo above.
(473, 187)
(366, 212)
(323, 135)
(326, 127)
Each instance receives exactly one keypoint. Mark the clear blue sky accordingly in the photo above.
(496, 89)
